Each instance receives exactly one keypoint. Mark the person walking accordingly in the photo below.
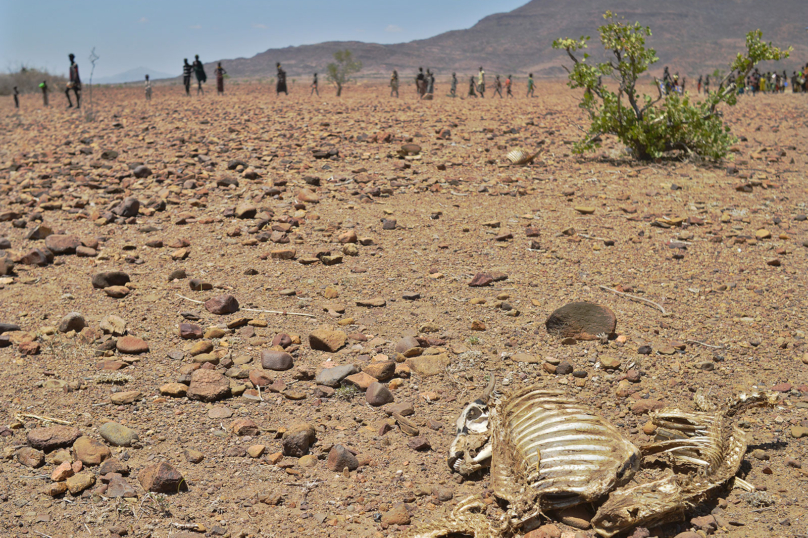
(472, 86)
(74, 83)
(508, 83)
(148, 88)
(220, 73)
(201, 76)
(453, 89)
(430, 82)
(16, 95)
(420, 83)
(280, 86)
(394, 83)
(186, 77)
(44, 88)
(481, 82)
(498, 86)
(315, 86)
(530, 85)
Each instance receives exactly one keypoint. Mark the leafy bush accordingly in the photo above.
(340, 70)
(651, 126)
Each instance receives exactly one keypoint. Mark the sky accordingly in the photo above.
(128, 34)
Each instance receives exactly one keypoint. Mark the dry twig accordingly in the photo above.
(635, 298)
(44, 419)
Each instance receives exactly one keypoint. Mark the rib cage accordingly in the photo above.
(549, 447)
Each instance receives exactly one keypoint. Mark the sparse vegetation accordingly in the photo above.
(346, 392)
(340, 70)
(649, 126)
(27, 79)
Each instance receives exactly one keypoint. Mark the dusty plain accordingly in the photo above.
(233, 200)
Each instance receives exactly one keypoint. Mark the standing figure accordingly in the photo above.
(44, 88)
(394, 83)
(508, 83)
(74, 83)
(498, 86)
(201, 76)
(420, 82)
(280, 86)
(699, 82)
(707, 84)
(220, 73)
(453, 89)
(148, 88)
(481, 83)
(315, 86)
(472, 86)
(430, 82)
(530, 85)
(16, 98)
(186, 77)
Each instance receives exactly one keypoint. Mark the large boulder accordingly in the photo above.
(582, 321)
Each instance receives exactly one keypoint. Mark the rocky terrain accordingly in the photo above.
(258, 316)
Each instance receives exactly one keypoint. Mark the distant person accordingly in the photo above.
(394, 83)
(530, 85)
(148, 88)
(16, 95)
(315, 86)
(186, 77)
(481, 83)
(508, 83)
(73, 83)
(44, 88)
(498, 86)
(201, 76)
(472, 86)
(280, 86)
(699, 83)
(453, 88)
(707, 84)
(420, 82)
(430, 82)
(220, 73)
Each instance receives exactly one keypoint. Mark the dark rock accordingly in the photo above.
(52, 437)
(62, 244)
(110, 278)
(9, 327)
(162, 478)
(276, 360)
(221, 305)
(129, 207)
(72, 322)
(480, 280)
(419, 443)
(340, 458)
(378, 394)
(332, 377)
(297, 440)
(142, 171)
(582, 321)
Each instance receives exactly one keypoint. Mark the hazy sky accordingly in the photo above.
(159, 34)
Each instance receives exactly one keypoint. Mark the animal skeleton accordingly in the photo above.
(547, 452)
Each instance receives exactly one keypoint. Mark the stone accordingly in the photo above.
(297, 440)
(194, 456)
(246, 211)
(30, 457)
(327, 340)
(62, 472)
(378, 394)
(332, 377)
(62, 244)
(610, 363)
(419, 443)
(109, 278)
(256, 451)
(376, 302)
(201, 347)
(118, 434)
(389, 224)
(175, 390)
(575, 516)
(118, 488)
(642, 407)
(90, 451)
(113, 325)
(705, 523)
(582, 321)
(129, 207)
(340, 458)
(798, 431)
(72, 322)
(162, 478)
(407, 343)
(480, 280)
(79, 482)
(42, 231)
(564, 368)
(585, 210)
(382, 371)
(141, 171)
(397, 515)
(52, 437)
(429, 365)
(117, 292)
(208, 386)
(113, 466)
(131, 345)
(545, 531)
(276, 360)
(126, 397)
(361, 380)
(221, 305)
(245, 426)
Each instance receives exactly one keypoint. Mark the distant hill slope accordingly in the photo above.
(691, 36)
(133, 75)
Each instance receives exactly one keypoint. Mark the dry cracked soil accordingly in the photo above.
(254, 316)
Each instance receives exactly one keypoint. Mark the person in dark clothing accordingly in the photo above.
(16, 95)
(186, 77)
(315, 86)
(430, 82)
(498, 86)
(74, 83)
(281, 84)
(472, 86)
(44, 88)
(453, 89)
(394, 83)
(201, 76)
(508, 84)
(420, 82)
(220, 73)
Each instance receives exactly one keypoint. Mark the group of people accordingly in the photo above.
(73, 84)
(198, 70)
(425, 85)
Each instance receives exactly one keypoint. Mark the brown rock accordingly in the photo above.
(53, 437)
(78, 483)
(545, 531)
(190, 331)
(429, 365)
(245, 426)
(297, 439)
(208, 386)
(90, 451)
(126, 397)
(162, 478)
(377, 394)
(340, 458)
(582, 321)
(30, 457)
(480, 280)
(62, 244)
(62, 472)
(642, 407)
(131, 345)
(276, 360)
(382, 371)
(221, 305)
(397, 515)
(327, 340)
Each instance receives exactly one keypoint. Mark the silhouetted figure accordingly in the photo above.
(508, 83)
(699, 83)
(420, 82)
(472, 93)
(186, 77)
(707, 84)
(281, 84)
(16, 95)
(530, 85)
(201, 76)
(453, 89)
(73, 83)
(220, 73)
(394, 83)
(147, 86)
(315, 86)
(498, 86)
(481, 83)
(430, 82)
(44, 88)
